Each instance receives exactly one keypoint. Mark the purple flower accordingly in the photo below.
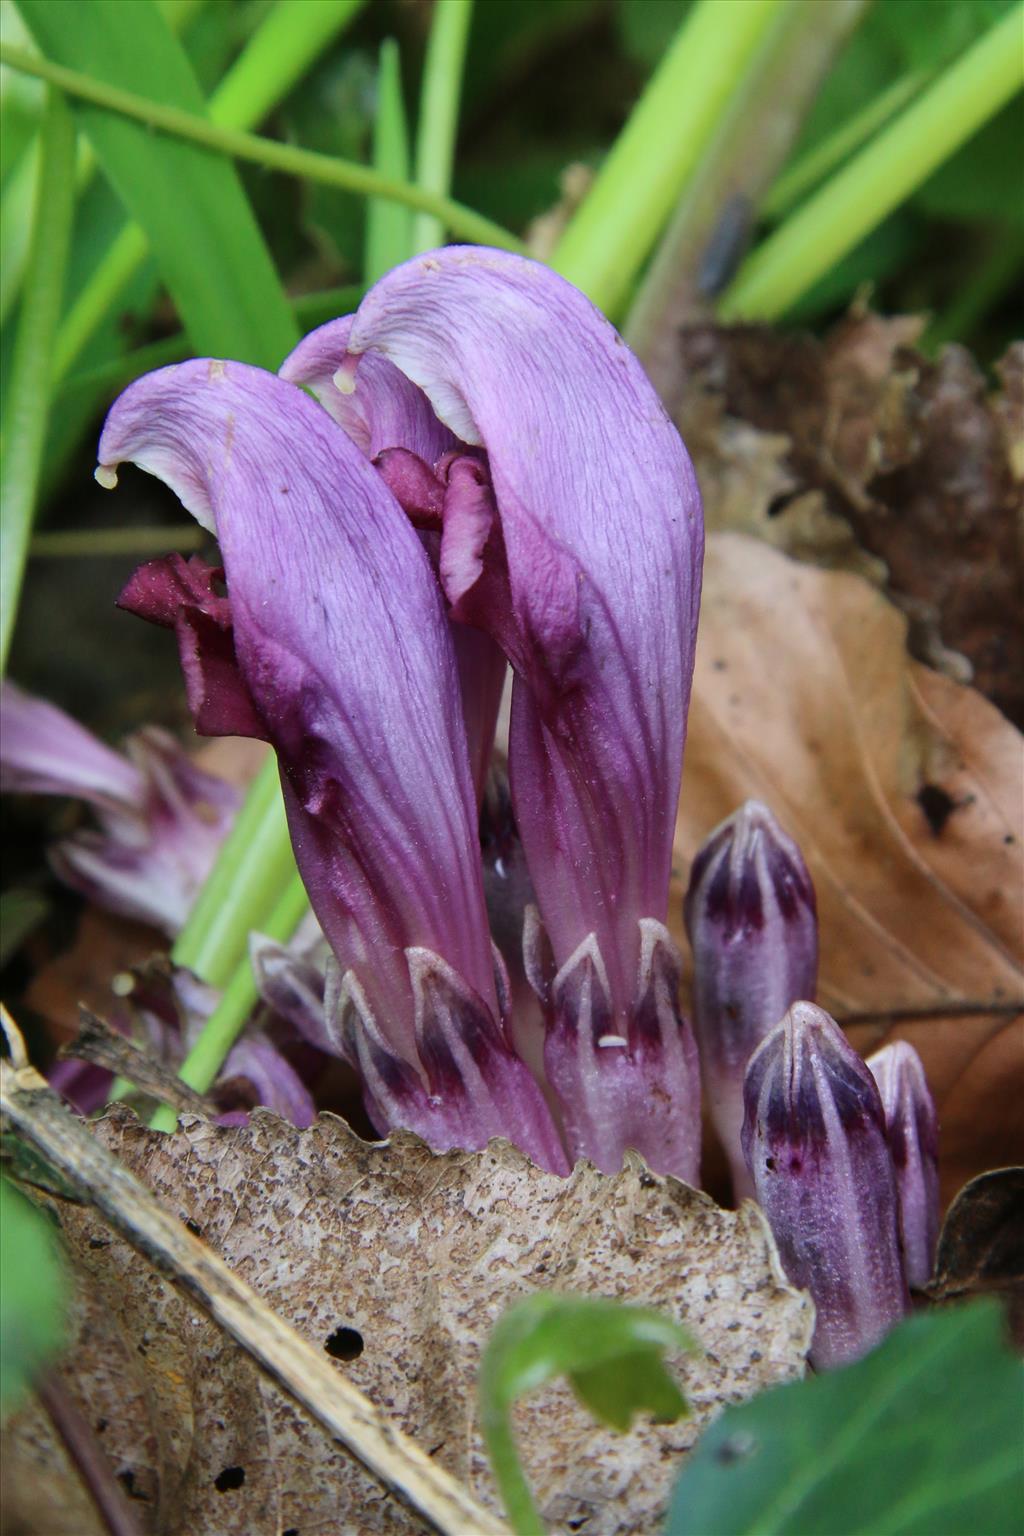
(815, 1142)
(912, 1127)
(161, 819)
(567, 528)
(332, 645)
(753, 927)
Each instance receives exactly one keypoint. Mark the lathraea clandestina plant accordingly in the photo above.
(499, 485)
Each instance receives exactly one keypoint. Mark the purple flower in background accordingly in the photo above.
(565, 525)
(752, 922)
(161, 819)
(814, 1138)
(912, 1127)
(332, 644)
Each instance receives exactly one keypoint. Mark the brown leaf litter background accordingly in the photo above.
(404, 1260)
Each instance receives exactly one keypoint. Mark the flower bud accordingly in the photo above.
(912, 1127)
(752, 921)
(815, 1142)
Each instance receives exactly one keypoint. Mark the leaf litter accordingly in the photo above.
(397, 1262)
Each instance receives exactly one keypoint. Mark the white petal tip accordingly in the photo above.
(106, 475)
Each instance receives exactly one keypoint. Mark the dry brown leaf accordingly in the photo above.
(858, 453)
(416, 1256)
(903, 789)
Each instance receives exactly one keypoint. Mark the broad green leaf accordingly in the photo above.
(32, 1294)
(611, 1354)
(920, 1438)
(191, 204)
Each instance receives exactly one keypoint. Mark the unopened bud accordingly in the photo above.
(752, 920)
(815, 1142)
(912, 1127)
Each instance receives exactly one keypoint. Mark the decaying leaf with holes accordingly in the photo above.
(902, 789)
(398, 1262)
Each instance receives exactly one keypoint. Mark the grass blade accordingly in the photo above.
(191, 205)
(388, 225)
(28, 395)
(439, 111)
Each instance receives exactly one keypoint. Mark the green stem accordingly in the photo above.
(29, 392)
(439, 112)
(654, 156)
(277, 55)
(388, 225)
(516, 1496)
(254, 864)
(749, 144)
(328, 170)
(204, 1061)
(812, 168)
(881, 177)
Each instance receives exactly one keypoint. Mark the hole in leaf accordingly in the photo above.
(937, 806)
(231, 1477)
(344, 1344)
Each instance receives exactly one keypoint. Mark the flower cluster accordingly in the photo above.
(484, 480)
(840, 1154)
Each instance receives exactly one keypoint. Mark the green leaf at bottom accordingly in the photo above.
(921, 1438)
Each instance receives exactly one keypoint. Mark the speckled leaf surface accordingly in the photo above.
(401, 1261)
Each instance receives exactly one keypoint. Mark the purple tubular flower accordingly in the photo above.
(333, 646)
(752, 921)
(571, 533)
(393, 424)
(162, 819)
(815, 1142)
(912, 1127)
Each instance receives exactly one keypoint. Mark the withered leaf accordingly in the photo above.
(903, 790)
(398, 1263)
(857, 452)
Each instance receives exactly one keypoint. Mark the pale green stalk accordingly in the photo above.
(26, 408)
(895, 164)
(439, 112)
(661, 145)
(388, 225)
(812, 168)
(74, 543)
(204, 1061)
(277, 55)
(254, 865)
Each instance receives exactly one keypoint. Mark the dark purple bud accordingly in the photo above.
(625, 1080)
(815, 1143)
(912, 1127)
(752, 920)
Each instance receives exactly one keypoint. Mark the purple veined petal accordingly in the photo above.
(291, 983)
(162, 819)
(752, 922)
(339, 644)
(588, 573)
(44, 752)
(273, 1080)
(638, 1089)
(393, 423)
(912, 1127)
(815, 1141)
(342, 649)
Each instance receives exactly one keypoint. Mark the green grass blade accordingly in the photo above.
(660, 147)
(191, 205)
(28, 394)
(882, 176)
(388, 225)
(439, 111)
